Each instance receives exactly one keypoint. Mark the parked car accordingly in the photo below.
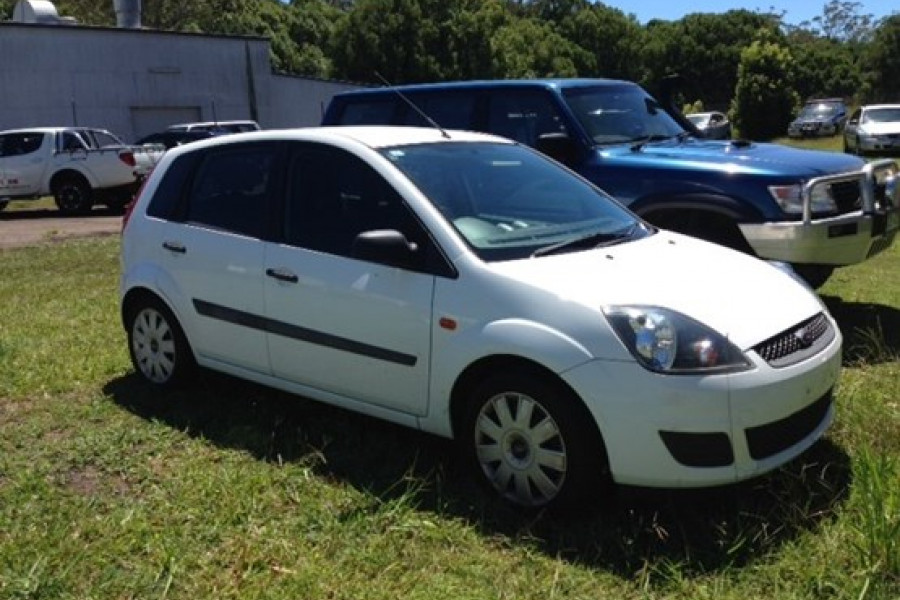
(873, 128)
(819, 117)
(217, 127)
(814, 210)
(170, 139)
(469, 286)
(78, 166)
(713, 125)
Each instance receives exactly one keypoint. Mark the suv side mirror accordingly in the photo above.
(385, 246)
(558, 146)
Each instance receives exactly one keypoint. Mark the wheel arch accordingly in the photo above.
(712, 217)
(67, 173)
(476, 372)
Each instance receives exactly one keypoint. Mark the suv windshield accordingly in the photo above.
(620, 114)
(509, 202)
(814, 111)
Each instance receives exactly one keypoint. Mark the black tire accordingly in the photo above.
(73, 196)
(117, 205)
(3, 204)
(157, 345)
(814, 275)
(530, 440)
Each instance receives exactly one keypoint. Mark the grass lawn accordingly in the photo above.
(230, 490)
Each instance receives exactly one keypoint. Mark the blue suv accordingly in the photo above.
(811, 209)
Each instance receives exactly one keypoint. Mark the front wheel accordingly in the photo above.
(532, 441)
(157, 345)
(814, 275)
(3, 204)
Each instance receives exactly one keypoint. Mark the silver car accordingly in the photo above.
(873, 128)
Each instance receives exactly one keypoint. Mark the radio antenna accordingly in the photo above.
(412, 105)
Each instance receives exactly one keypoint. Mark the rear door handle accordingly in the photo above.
(175, 247)
(282, 275)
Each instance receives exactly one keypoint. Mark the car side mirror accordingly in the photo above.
(558, 146)
(385, 246)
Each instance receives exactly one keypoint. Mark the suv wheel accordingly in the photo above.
(157, 345)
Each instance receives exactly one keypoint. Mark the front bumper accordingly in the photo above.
(696, 431)
(845, 239)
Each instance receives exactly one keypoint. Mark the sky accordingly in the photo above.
(796, 11)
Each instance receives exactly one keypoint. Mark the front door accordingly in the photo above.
(345, 326)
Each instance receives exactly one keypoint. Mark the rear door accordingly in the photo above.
(350, 327)
(212, 252)
(22, 162)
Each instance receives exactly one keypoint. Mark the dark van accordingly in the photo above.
(814, 210)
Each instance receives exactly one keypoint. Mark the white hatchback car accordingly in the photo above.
(468, 286)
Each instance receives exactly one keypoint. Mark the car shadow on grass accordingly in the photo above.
(871, 331)
(632, 532)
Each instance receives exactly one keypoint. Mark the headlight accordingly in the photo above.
(666, 341)
(790, 198)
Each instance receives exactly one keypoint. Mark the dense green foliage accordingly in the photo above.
(843, 52)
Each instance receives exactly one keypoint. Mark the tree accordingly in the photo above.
(531, 48)
(705, 49)
(882, 62)
(763, 100)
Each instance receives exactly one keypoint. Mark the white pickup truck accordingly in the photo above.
(78, 166)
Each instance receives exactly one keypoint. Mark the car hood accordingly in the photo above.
(737, 156)
(818, 119)
(741, 297)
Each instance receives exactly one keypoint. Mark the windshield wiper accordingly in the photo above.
(592, 240)
(656, 137)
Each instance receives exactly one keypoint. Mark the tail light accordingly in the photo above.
(127, 157)
(129, 208)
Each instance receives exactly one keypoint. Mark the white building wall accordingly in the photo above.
(133, 82)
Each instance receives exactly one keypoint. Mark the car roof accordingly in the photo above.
(52, 129)
(373, 136)
(871, 106)
(549, 83)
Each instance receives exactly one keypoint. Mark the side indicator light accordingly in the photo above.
(447, 323)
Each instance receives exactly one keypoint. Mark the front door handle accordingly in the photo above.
(177, 247)
(282, 275)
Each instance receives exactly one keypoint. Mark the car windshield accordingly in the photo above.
(616, 114)
(508, 201)
(818, 110)
(882, 115)
(698, 120)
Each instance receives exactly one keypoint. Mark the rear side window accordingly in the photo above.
(377, 111)
(19, 144)
(232, 189)
(449, 110)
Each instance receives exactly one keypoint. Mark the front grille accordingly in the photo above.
(797, 343)
(846, 196)
(772, 438)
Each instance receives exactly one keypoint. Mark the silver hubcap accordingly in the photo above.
(520, 448)
(153, 343)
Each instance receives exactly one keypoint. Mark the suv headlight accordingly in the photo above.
(790, 198)
(666, 341)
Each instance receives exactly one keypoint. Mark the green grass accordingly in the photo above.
(230, 490)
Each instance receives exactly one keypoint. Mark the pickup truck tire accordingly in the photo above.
(72, 195)
(703, 224)
(814, 275)
(3, 204)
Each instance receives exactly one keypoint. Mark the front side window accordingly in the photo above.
(232, 190)
(523, 115)
(617, 114)
(333, 196)
(508, 201)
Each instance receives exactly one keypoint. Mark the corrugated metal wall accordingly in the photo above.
(128, 80)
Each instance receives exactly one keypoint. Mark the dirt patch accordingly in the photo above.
(33, 227)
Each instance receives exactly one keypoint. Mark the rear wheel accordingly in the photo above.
(532, 441)
(3, 204)
(157, 345)
(72, 196)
